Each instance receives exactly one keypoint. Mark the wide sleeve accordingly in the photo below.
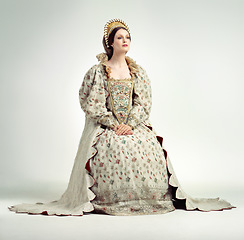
(142, 100)
(93, 98)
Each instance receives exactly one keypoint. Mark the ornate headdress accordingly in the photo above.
(111, 25)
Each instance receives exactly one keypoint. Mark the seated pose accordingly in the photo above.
(121, 166)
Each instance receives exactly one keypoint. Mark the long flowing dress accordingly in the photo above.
(120, 174)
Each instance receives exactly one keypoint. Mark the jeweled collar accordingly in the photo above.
(103, 58)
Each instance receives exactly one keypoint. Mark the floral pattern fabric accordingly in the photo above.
(130, 174)
(93, 97)
(130, 171)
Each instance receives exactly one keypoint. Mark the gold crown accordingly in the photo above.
(111, 25)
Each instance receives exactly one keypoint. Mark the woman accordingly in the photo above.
(121, 167)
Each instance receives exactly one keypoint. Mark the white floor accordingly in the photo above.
(179, 224)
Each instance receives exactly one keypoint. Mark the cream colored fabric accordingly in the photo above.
(93, 98)
(130, 174)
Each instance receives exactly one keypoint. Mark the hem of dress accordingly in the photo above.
(136, 207)
(58, 207)
(134, 213)
(180, 199)
(51, 209)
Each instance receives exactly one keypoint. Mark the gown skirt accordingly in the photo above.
(130, 174)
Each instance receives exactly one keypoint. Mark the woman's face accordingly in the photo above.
(121, 41)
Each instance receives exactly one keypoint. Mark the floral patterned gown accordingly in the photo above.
(129, 170)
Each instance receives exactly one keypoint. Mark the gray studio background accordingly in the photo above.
(192, 52)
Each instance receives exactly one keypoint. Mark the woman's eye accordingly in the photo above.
(120, 37)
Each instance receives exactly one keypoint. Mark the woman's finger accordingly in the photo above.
(127, 132)
(121, 128)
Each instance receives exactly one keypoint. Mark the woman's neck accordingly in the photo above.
(118, 60)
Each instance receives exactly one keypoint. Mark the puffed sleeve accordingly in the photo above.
(142, 100)
(93, 99)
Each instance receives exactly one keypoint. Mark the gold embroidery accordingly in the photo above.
(116, 98)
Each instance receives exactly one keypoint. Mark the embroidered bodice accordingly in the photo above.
(120, 91)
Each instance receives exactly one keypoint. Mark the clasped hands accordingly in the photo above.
(123, 129)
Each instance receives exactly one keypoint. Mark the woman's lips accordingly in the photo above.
(125, 45)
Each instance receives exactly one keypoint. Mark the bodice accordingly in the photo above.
(120, 97)
(120, 91)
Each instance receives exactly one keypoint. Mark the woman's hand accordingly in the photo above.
(123, 129)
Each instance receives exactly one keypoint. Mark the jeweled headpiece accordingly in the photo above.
(111, 25)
